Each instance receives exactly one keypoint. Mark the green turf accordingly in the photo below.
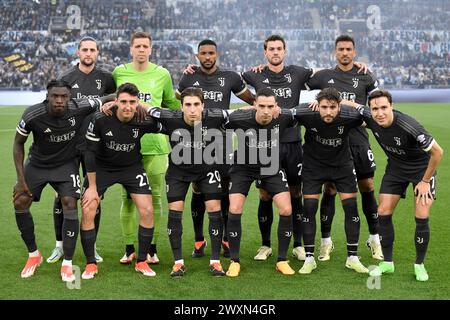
(258, 280)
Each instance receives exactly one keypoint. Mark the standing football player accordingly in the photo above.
(413, 157)
(353, 86)
(155, 86)
(217, 85)
(87, 80)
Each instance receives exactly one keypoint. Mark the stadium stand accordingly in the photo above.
(404, 48)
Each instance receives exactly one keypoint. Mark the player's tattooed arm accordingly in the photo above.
(247, 96)
(21, 186)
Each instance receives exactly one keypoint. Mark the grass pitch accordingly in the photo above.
(258, 280)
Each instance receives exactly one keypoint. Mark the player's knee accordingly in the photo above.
(92, 209)
(234, 214)
(235, 208)
(69, 203)
(285, 211)
(22, 203)
(176, 205)
(384, 210)
(264, 195)
(213, 206)
(146, 210)
(422, 211)
(422, 214)
(146, 216)
(88, 214)
(366, 185)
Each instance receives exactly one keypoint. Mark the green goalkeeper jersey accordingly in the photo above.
(155, 89)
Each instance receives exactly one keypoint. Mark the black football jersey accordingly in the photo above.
(189, 142)
(287, 86)
(353, 86)
(97, 83)
(406, 143)
(326, 144)
(217, 87)
(54, 138)
(258, 144)
(117, 144)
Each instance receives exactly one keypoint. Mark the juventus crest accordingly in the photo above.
(99, 84)
(288, 77)
(355, 82)
(204, 131)
(222, 82)
(397, 140)
(276, 128)
(135, 133)
(72, 121)
(341, 129)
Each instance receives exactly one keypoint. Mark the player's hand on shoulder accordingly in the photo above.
(258, 69)
(107, 107)
(190, 69)
(19, 189)
(362, 67)
(314, 105)
(142, 112)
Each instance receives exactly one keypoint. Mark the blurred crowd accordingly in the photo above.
(405, 42)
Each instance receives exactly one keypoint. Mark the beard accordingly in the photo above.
(329, 119)
(87, 64)
(276, 63)
(345, 62)
(210, 67)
